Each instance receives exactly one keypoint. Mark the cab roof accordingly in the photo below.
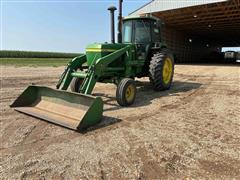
(139, 17)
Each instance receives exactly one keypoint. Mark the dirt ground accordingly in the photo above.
(189, 131)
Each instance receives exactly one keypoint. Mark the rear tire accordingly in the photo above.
(75, 84)
(126, 92)
(161, 70)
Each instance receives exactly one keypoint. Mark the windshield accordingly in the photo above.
(142, 32)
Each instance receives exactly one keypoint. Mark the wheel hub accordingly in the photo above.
(130, 91)
(167, 70)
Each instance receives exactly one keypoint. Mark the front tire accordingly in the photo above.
(126, 92)
(75, 84)
(161, 70)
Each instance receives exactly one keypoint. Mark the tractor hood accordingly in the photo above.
(97, 50)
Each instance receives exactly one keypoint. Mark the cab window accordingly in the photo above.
(142, 31)
(127, 32)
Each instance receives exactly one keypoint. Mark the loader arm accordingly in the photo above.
(98, 68)
(73, 65)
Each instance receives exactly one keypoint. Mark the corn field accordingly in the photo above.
(36, 54)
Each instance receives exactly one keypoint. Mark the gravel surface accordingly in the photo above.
(189, 131)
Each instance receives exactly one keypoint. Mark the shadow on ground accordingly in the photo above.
(145, 94)
(106, 121)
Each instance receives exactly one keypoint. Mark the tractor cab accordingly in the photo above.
(144, 32)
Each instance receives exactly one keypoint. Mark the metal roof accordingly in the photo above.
(215, 20)
(164, 5)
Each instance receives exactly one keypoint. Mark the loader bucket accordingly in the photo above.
(72, 110)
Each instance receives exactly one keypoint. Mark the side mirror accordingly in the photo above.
(159, 23)
(162, 24)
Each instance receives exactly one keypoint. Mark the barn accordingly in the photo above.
(196, 30)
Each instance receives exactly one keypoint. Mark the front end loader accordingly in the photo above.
(139, 52)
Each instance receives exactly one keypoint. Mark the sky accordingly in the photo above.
(57, 25)
(230, 49)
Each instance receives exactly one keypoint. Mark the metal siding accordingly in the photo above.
(164, 5)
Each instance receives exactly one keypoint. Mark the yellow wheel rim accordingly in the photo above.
(167, 70)
(130, 92)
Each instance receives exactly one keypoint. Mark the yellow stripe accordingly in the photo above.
(100, 50)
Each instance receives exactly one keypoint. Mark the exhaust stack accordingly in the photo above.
(112, 9)
(120, 22)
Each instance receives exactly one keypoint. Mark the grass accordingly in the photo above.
(35, 61)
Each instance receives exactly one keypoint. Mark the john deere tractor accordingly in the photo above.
(139, 52)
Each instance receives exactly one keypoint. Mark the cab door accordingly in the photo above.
(142, 37)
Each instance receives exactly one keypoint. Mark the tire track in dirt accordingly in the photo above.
(129, 119)
(182, 101)
(172, 133)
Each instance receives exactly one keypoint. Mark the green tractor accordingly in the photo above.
(139, 52)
